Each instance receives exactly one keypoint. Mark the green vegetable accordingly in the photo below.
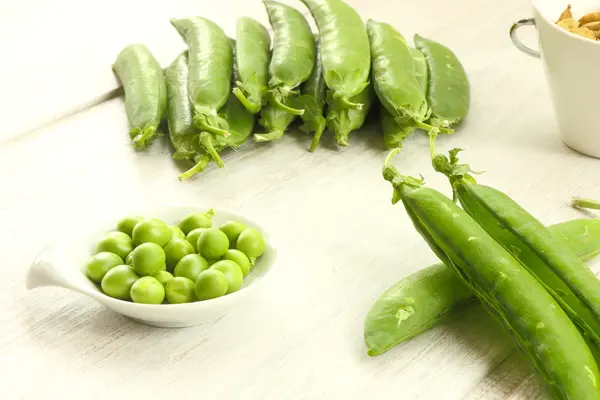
(147, 259)
(275, 121)
(210, 62)
(241, 125)
(545, 256)
(293, 53)
(147, 290)
(579, 202)
(341, 120)
(197, 220)
(529, 313)
(193, 236)
(175, 250)
(233, 274)
(395, 131)
(251, 243)
(212, 244)
(394, 78)
(100, 264)
(145, 92)
(312, 100)
(176, 233)
(118, 243)
(127, 224)
(448, 94)
(232, 230)
(180, 290)
(253, 44)
(182, 133)
(419, 301)
(118, 281)
(191, 266)
(344, 50)
(163, 277)
(240, 259)
(210, 284)
(151, 230)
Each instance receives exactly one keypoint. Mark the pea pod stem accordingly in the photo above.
(276, 101)
(349, 104)
(319, 128)
(267, 137)
(579, 202)
(206, 140)
(251, 106)
(141, 139)
(201, 163)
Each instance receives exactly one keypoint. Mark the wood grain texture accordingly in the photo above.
(341, 242)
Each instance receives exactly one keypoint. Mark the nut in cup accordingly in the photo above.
(569, 47)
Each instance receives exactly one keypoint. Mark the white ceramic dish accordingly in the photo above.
(63, 265)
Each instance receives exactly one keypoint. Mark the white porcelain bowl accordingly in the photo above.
(63, 265)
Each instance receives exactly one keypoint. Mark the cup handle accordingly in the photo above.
(517, 42)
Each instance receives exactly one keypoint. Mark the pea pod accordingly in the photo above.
(529, 313)
(550, 260)
(312, 100)
(210, 64)
(293, 53)
(341, 120)
(421, 300)
(395, 131)
(145, 92)
(182, 133)
(253, 44)
(394, 78)
(345, 52)
(275, 121)
(239, 119)
(448, 95)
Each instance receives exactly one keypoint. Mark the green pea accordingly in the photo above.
(100, 264)
(212, 244)
(175, 250)
(193, 236)
(232, 229)
(127, 224)
(118, 281)
(196, 220)
(118, 243)
(176, 233)
(128, 259)
(251, 243)
(180, 290)
(163, 277)
(233, 274)
(147, 290)
(240, 259)
(210, 284)
(148, 259)
(191, 266)
(151, 231)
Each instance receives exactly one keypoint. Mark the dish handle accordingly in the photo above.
(42, 272)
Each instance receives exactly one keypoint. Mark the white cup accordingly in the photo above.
(572, 67)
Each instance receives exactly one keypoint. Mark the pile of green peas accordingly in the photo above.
(148, 261)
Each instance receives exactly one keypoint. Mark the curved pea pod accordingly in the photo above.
(448, 95)
(345, 52)
(275, 121)
(549, 259)
(342, 120)
(534, 319)
(253, 44)
(145, 92)
(396, 130)
(182, 133)
(293, 55)
(312, 101)
(394, 76)
(239, 119)
(423, 299)
(210, 63)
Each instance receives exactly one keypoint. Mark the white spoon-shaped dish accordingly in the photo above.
(63, 264)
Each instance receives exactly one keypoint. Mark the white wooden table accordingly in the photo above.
(340, 240)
